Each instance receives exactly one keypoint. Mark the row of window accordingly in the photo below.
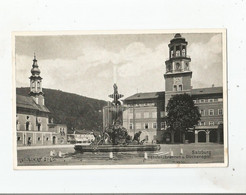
(210, 123)
(28, 126)
(147, 125)
(210, 112)
(143, 104)
(30, 139)
(178, 67)
(208, 100)
(138, 115)
(177, 88)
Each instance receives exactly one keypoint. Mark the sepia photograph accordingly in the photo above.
(120, 99)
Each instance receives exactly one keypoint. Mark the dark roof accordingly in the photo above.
(207, 91)
(148, 95)
(29, 103)
(155, 95)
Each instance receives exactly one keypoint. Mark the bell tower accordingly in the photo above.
(178, 74)
(36, 83)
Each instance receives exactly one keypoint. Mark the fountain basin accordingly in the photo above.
(116, 148)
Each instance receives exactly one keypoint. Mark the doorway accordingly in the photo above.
(202, 136)
(54, 140)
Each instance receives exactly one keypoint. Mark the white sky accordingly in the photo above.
(84, 64)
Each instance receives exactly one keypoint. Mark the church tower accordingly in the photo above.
(36, 84)
(178, 74)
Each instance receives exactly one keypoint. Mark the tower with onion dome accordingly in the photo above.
(36, 83)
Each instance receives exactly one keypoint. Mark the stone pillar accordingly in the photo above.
(207, 136)
(23, 138)
(24, 134)
(183, 136)
(196, 136)
(172, 137)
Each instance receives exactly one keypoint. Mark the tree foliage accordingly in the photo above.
(182, 113)
(76, 111)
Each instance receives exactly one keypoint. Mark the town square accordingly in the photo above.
(180, 125)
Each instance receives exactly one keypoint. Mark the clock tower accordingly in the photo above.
(178, 74)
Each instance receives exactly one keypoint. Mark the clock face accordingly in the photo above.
(177, 80)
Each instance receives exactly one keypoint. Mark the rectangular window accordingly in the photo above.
(18, 138)
(220, 112)
(162, 125)
(211, 112)
(211, 123)
(220, 99)
(131, 126)
(210, 100)
(39, 138)
(146, 115)
(202, 100)
(202, 123)
(146, 125)
(138, 125)
(154, 114)
(202, 112)
(130, 115)
(138, 115)
(162, 113)
(154, 126)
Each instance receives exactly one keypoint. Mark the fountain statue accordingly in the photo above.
(115, 137)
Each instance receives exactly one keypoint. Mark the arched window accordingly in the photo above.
(183, 52)
(39, 126)
(171, 53)
(186, 66)
(38, 84)
(27, 125)
(33, 85)
(177, 53)
(178, 66)
(175, 88)
(180, 87)
(17, 125)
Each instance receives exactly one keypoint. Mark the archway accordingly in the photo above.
(190, 135)
(213, 136)
(167, 137)
(201, 136)
(54, 140)
(177, 137)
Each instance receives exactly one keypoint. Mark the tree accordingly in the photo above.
(182, 114)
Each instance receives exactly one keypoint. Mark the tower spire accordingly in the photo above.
(178, 74)
(36, 83)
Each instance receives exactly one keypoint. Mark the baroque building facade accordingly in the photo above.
(146, 112)
(33, 125)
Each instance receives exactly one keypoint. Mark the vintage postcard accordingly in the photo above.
(120, 99)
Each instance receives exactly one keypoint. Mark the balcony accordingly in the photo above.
(178, 56)
(177, 71)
